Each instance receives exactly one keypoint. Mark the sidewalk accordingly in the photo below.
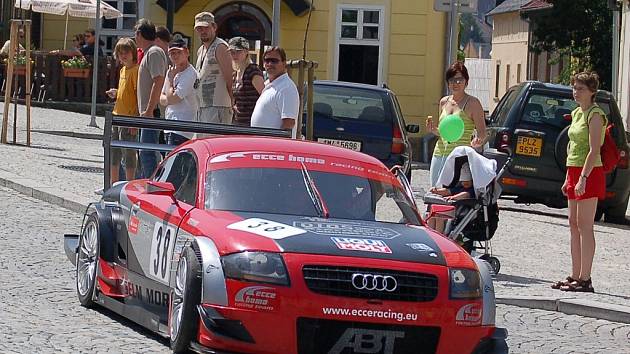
(64, 166)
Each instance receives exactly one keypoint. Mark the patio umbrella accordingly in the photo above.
(75, 8)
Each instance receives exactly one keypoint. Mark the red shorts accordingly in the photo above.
(595, 183)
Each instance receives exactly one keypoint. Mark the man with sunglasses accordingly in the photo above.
(279, 102)
(214, 65)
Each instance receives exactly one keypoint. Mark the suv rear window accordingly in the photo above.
(350, 103)
(549, 109)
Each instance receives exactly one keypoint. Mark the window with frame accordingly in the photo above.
(181, 171)
(360, 39)
(112, 29)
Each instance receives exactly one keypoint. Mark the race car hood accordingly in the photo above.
(338, 237)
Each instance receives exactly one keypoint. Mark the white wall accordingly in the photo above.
(623, 85)
(480, 83)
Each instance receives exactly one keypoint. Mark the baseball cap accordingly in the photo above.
(177, 44)
(238, 43)
(204, 19)
(465, 175)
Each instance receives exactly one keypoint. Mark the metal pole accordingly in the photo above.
(453, 35)
(97, 46)
(615, 54)
(275, 31)
(170, 9)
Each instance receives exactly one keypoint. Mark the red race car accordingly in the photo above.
(267, 245)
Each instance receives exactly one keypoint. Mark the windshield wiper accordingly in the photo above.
(313, 192)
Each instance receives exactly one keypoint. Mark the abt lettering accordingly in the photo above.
(367, 341)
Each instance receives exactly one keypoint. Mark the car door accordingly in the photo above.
(355, 118)
(150, 250)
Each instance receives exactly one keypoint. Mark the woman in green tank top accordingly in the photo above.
(585, 181)
(468, 108)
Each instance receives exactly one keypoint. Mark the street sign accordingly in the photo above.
(464, 5)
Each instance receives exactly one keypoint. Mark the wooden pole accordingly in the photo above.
(9, 81)
(309, 101)
(27, 46)
(300, 87)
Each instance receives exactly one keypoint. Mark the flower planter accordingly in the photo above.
(19, 70)
(76, 73)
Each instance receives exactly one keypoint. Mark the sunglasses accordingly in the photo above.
(271, 60)
(456, 80)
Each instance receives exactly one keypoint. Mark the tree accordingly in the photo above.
(581, 29)
(469, 30)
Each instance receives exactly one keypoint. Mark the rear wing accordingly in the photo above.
(112, 121)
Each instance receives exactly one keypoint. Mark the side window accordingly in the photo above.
(181, 171)
(500, 114)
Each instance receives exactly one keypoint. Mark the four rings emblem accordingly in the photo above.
(374, 282)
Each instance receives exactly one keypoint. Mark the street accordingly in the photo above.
(41, 313)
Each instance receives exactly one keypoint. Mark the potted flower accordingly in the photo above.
(19, 67)
(77, 67)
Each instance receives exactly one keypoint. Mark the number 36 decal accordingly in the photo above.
(161, 251)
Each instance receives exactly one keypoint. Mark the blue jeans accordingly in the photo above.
(175, 139)
(148, 158)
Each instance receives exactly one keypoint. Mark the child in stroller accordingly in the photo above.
(462, 190)
(473, 220)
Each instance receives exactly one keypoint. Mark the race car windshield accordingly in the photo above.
(282, 191)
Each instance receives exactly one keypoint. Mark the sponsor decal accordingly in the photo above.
(162, 244)
(266, 228)
(361, 244)
(469, 315)
(380, 314)
(367, 341)
(149, 296)
(343, 228)
(256, 298)
(134, 222)
(267, 156)
(421, 247)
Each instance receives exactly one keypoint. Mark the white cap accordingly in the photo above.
(465, 174)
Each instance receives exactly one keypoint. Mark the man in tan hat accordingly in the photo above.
(214, 65)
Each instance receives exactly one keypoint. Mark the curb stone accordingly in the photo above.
(570, 306)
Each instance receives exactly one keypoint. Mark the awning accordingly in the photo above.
(298, 7)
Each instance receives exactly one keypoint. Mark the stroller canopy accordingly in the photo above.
(483, 169)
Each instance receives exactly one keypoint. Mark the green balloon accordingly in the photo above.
(451, 128)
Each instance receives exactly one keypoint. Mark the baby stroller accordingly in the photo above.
(472, 222)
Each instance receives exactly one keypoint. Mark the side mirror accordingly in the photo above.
(161, 188)
(412, 128)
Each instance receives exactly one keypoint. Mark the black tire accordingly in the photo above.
(184, 322)
(598, 214)
(560, 149)
(87, 261)
(494, 264)
(616, 214)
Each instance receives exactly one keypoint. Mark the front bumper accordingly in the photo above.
(294, 319)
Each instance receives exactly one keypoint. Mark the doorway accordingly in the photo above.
(242, 19)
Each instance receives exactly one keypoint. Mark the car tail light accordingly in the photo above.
(502, 139)
(610, 194)
(514, 182)
(398, 144)
(623, 160)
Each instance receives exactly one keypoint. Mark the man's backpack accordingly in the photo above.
(609, 153)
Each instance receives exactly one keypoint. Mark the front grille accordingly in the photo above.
(337, 281)
(316, 336)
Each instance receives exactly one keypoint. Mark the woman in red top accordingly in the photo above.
(247, 83)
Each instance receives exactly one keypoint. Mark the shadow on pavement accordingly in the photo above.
(132, 325)
(35, 146)
(75, 159)
(518, 280)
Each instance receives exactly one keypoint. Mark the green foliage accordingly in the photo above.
(76, 63)
(469, 30)
(580, 29)
(461, 55)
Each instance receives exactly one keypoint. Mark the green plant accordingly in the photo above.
(20, 60)
(75, 63)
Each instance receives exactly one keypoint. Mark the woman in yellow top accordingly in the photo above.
(585, 181)
(126, 105)
(468, 108)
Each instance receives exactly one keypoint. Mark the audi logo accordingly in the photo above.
(374, 282)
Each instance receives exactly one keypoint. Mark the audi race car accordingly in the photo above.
(267, 245)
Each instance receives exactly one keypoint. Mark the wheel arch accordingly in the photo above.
(487, 288)
(107, 239)
(213, 286)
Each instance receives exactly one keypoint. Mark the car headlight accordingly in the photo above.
(263, 267)
(464, 283)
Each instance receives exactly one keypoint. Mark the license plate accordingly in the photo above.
(352, 145)
(529, 146)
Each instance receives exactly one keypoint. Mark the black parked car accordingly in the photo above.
(530, 118)
(363, 118)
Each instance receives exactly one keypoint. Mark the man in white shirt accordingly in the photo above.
(279, 103)
(178, 93)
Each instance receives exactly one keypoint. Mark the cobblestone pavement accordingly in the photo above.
(41, 313)
(534, 251)
(538, 331)
(38, 304)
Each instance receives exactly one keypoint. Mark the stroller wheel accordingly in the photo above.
(495, 264)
